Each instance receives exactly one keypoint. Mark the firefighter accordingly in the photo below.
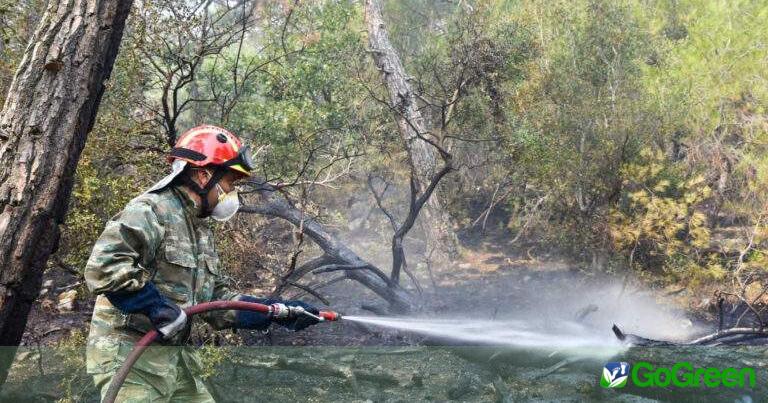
(155, 258)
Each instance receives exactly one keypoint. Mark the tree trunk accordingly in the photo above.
(50, 108)
(423, 157)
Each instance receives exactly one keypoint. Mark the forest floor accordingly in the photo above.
(347, 362)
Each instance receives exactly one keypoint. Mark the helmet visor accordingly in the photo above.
(247, 159)
(243, 162)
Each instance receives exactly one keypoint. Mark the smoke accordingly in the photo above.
(537, 305)
(557, 300)
(636, 311)
(554, 313)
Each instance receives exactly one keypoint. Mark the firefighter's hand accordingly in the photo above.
(168, 319)
(165, 316)
(300, 321)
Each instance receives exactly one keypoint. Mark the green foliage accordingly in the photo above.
(710, 88)
(583, 110)
(721, 56)
(657, 223)
(211, 356)
(301, 102)
(634, 128)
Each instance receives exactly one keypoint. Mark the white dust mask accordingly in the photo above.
(227, 206)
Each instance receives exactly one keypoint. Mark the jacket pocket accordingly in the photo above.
(180, 254)
(208, 284)
(212, 264)
(101, 355)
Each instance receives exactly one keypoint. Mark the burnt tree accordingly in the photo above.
(336, 256)
(50, 108)
(421, 145)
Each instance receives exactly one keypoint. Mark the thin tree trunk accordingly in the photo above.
(423, 157)
(50, 108)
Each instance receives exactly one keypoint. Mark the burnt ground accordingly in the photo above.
(348, 362)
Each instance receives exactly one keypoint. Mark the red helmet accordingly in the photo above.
(211, 145)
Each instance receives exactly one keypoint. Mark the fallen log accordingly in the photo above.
(734, 335)
(634, 340)
(701, 352)
(729, 333)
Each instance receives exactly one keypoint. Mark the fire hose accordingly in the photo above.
(274, 311)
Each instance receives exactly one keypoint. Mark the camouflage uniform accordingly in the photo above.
(157, 237)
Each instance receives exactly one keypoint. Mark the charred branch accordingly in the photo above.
(273, 204)
(734, 335)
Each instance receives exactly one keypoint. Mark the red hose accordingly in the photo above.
(150, 336)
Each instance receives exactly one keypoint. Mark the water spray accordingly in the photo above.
(274, 311)
(525, 334)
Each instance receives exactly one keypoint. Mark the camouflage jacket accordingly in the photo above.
(157, 237)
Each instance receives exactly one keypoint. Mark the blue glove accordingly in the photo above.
(261, 321)
(299, 322)
(165, 316)
(251, 319)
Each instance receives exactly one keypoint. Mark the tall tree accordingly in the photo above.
(422, 146)
(50, 108)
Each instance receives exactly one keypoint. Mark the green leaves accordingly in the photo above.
(661, 217)
(638, 126)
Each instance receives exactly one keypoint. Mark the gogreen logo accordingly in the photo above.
(615, 375)
(682, 374)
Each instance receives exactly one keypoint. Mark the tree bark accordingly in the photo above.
(50, 108)
(423, 157)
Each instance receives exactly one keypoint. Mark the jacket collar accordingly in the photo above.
(188, 205)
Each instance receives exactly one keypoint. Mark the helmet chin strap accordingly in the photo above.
(203, 191)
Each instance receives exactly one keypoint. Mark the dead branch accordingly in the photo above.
(379, 202)
(749, 306)
(285, 278)
(336, 267)
(273, 204)
(176, 48)
(310, 291)
(735, 331)
(554, 368)
(322, 285)
(417, 202)
(704, 340)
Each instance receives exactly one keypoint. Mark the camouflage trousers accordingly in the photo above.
(161, 374)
